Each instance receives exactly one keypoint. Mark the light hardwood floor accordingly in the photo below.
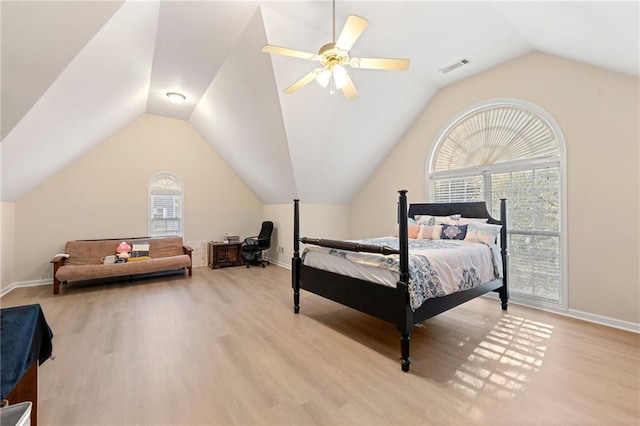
(224, 347)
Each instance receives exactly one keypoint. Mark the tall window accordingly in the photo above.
(165, 205)
(510, 149)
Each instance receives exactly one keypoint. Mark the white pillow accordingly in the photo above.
(428, 232)
(482, 232)
(437, 220)
(468, 220)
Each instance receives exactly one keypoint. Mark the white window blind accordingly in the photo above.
(165, 206)
(533, 225)
(493, 135)
(506, 151)
(458, 189)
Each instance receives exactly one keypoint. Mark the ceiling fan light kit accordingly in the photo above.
(334, 58)
(323, 77)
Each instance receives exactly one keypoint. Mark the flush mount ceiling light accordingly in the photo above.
(334, 58)
(176, 98)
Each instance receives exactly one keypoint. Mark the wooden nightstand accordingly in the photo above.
(224, 254)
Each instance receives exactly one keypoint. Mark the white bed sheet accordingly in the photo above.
(319, 258)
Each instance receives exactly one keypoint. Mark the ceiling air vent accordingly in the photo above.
(461, 62)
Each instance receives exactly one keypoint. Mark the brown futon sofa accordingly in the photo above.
(83, 259)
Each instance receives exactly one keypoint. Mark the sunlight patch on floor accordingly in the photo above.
(501, 364)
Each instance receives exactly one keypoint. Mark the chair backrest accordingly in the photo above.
(264, 238)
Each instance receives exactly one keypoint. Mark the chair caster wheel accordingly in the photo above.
(247, 266)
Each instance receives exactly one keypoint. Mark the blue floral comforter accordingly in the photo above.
(436, 267)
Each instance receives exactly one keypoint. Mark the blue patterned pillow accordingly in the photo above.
(453, 232)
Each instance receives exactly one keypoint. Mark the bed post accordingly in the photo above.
(295, 261)
(504, 290)
(406, 325)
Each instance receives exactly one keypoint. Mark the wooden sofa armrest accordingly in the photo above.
(57, 261)
(189, 250)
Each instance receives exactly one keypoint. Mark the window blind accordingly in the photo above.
(457, 189)
(506, 149)
(496, 134)
(533, 224)
(533, 221)
(165, 215)
(165, 206)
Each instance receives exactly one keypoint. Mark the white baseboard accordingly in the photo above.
(600, 319)
(32, 283)
(574, 313)
(280, 264)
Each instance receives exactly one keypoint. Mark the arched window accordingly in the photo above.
(165, 205)
(514, 150)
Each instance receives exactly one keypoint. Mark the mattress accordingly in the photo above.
(436, 267)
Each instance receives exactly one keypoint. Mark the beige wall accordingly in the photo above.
(7, 244)
(316, 220)
(104, 194)
(598, 112)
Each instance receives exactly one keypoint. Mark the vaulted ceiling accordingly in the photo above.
(74, 73)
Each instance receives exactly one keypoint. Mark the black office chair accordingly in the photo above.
(253, 246)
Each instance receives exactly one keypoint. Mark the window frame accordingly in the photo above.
(512, 166)
(153, 191)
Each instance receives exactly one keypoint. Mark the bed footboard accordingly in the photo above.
(349, 246)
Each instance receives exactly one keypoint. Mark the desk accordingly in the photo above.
(25, 344)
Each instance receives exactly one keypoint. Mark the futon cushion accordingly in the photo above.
(89, 252)
(87, 272)
(163, 247)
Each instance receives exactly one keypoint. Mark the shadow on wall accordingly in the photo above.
(272, 253)
(199, 254)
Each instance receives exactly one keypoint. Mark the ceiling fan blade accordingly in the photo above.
(303, 81)
(380, 63)
(269, 48)
(353, 28)
(349, 89)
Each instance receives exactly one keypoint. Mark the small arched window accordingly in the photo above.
(514, 150)
(166, 201)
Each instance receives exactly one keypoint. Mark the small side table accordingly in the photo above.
(224, 254)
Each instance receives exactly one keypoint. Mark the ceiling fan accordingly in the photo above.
(334, 57)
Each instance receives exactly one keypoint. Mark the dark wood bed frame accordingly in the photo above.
(388, 303)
